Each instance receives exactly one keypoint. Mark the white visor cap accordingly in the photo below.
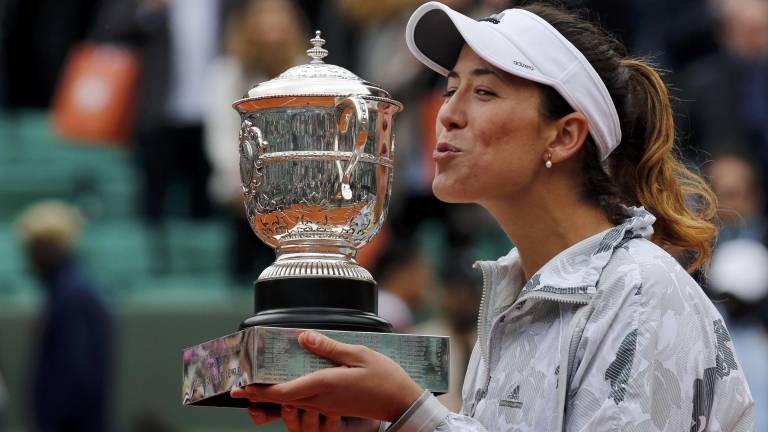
(522, 44)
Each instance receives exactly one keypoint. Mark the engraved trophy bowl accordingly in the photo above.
(316, 158)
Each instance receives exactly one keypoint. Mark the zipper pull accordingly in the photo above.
(479, 396)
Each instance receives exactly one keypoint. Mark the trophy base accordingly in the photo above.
(320, 319)
(271, 355)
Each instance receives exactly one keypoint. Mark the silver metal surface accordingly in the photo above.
(268, 355)
(316, 158)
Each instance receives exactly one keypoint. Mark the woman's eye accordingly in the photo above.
(448, 93)
(484, 92)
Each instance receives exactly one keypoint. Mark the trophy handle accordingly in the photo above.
(252, 146)
(356, 105)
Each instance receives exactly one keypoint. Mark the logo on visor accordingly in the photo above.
(495, 18)
(524, 65)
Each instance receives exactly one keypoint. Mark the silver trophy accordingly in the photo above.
(316, 160)
(316, 150)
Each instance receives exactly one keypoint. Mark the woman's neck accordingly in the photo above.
(545, 225)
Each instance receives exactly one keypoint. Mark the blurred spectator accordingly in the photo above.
(177, 39)
(181, 40)
(262, 39)
(457, 317)
(739, 270)
(727, 92)
(71, 389)
(3, 402)
(672, 33)
(403, 275)
(35, 38)
(741, 199)
(740, 208)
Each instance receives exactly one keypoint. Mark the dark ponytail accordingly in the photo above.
(644, 169)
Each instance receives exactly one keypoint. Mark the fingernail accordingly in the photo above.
(289, 408)
(313, 339)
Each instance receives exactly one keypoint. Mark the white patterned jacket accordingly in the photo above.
(611, 335)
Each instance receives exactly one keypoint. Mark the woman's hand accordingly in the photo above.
(365, 384)
(298, 420)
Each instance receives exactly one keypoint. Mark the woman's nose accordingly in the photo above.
(452, 114)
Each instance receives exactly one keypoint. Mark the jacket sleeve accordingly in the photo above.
(656, 356)
(427, 414)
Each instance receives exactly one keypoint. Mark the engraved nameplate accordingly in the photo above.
(269, 355)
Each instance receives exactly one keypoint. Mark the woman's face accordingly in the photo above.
(490, 136)
(270, 25)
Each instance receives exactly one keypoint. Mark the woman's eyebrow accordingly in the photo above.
(484, 71)
(475, 72)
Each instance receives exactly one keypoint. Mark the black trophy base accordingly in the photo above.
(320, 319)
(317, 303)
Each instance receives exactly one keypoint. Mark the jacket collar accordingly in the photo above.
(574, 272)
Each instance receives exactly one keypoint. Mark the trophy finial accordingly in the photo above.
(317, 52)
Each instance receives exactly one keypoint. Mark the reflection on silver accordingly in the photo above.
(216, 366)
(268, 355)
(316, 157)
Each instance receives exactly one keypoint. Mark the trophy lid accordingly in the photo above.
(315, 78)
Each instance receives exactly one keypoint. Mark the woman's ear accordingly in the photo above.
(572, 130)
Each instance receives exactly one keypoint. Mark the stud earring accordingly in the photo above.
(548, 163)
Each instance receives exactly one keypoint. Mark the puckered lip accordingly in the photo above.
(445, 147)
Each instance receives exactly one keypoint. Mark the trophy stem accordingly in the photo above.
(317, 287)
(319, 319)
(318, 303)
(330, 250)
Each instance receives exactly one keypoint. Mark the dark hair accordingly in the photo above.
(644, 169)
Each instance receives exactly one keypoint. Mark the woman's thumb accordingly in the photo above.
(323, 346)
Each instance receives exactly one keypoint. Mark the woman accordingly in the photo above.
(586, 324)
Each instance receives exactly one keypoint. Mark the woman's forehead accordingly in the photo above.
(469, 60)
(470, 64)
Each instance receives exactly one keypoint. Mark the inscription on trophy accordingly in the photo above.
(279, 357)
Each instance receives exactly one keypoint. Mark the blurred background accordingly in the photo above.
(123, 240)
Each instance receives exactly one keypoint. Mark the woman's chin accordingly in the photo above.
(449, 193)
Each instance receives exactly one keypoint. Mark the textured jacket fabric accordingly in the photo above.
(610, 335)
